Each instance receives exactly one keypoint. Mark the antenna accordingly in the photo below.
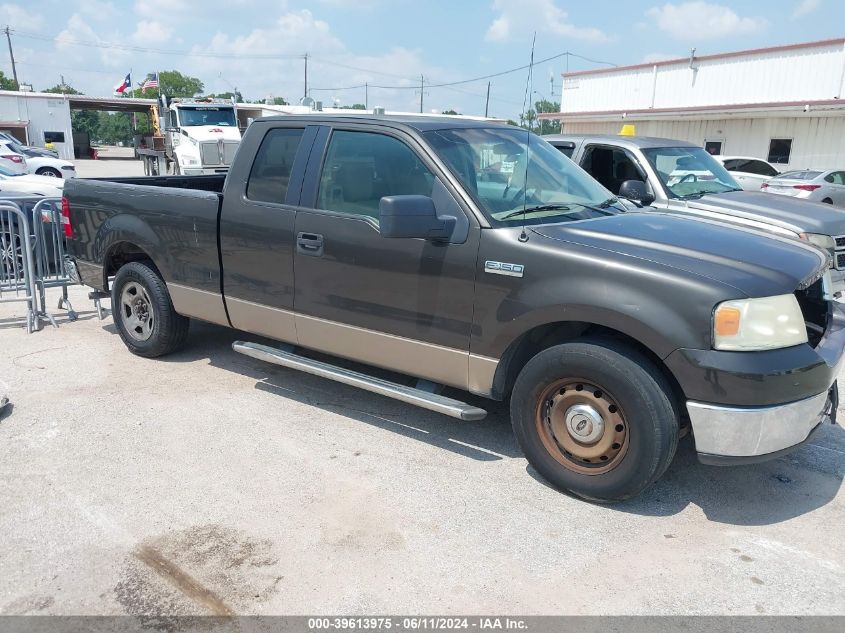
(529, 91)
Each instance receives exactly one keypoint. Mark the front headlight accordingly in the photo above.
(746, 325)
(824, 242)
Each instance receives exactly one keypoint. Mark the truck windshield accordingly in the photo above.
(224, 117)
(688, 172)
(506, 173)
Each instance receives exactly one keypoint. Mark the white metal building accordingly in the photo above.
(784, 104)
(35, 118)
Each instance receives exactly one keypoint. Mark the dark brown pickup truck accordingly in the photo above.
(475, 256)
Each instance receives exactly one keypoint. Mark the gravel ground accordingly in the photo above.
(209, 482)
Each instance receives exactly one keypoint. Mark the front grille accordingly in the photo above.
(209, 153)
(840, 241)
(229, 149)
(840, 260)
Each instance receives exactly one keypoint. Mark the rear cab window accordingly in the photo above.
(270, 173)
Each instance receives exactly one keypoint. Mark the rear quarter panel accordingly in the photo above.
(176, 228)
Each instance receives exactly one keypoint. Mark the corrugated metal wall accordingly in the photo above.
(805, 74)
(817, 141)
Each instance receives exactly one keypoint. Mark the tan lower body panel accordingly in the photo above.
(261, 319)
(482, 371)
(415, 358)
(199, 304)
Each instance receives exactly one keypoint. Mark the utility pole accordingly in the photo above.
(422, 89)
(366, 96)
(12, 57)
(306, 75)
(487, 102)
(63, 83)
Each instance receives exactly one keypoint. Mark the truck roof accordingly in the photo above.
(627, 141)
(421, 123)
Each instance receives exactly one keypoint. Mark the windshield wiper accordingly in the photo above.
(539, 207)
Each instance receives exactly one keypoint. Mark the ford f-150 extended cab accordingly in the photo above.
(681, 177)
(475, 256)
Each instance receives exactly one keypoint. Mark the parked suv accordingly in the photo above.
(683, 178)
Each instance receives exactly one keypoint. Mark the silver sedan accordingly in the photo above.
(810, 184)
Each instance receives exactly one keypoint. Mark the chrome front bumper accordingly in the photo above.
(726, 434)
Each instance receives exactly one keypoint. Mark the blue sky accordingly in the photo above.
(257, 45)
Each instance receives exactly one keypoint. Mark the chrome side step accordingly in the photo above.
(417, 397)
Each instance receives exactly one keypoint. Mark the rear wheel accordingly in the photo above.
(49, 171)
(143, 312)
(595, 418)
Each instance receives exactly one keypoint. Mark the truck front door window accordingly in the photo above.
(268, 179)
(611, 166)
(362, 167)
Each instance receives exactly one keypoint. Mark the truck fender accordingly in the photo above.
(121, 228)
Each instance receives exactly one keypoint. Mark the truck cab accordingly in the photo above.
(201, 135)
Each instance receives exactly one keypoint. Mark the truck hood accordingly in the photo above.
(755, 263)
(792, 214)
(213, 133)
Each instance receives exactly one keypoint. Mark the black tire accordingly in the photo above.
(49, 171)
(166, 331)
(643, 407)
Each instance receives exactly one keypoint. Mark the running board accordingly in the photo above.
(410, 395)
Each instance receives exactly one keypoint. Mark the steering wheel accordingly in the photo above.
(690, 177)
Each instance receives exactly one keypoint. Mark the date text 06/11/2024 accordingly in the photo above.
(419, 623)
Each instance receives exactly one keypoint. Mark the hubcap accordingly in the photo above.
(582, 426)
(137, 312)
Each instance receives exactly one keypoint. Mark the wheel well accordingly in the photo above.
(120, 254)
(827, 201)
(542, 337)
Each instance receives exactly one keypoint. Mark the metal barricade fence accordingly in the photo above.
(17, 269)
(50, 254)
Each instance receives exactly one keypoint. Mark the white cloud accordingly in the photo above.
(526, 16)
(98, 9)
(19, 18)
(79, 30)
(657, 57)
(805, 7)
(703, 20)
(151, 32)
(158, 8)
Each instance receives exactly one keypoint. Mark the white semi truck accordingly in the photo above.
(195, 136)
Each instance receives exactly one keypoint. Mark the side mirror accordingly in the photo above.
(636, 191)
(413, 216)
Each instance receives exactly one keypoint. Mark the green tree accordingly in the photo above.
(450, 112)
(6, 83)
(545, 126)
(239, 98)
(279, 101)
(64, 89)
(354, 106)
(174, 84)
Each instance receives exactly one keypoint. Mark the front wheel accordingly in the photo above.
(595, 418)
(143, 312)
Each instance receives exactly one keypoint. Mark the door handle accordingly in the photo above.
(310, 244)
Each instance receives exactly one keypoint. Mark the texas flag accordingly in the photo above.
(120, 89)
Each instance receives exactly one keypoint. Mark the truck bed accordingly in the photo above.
(172, 219)
(213, 183)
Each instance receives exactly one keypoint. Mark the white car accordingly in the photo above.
(810, 184)
(40, 165)
(14, 180)
(748, 171)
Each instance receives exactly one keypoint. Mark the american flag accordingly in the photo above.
(150, 82)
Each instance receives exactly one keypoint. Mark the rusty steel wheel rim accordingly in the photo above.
(582, 426)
